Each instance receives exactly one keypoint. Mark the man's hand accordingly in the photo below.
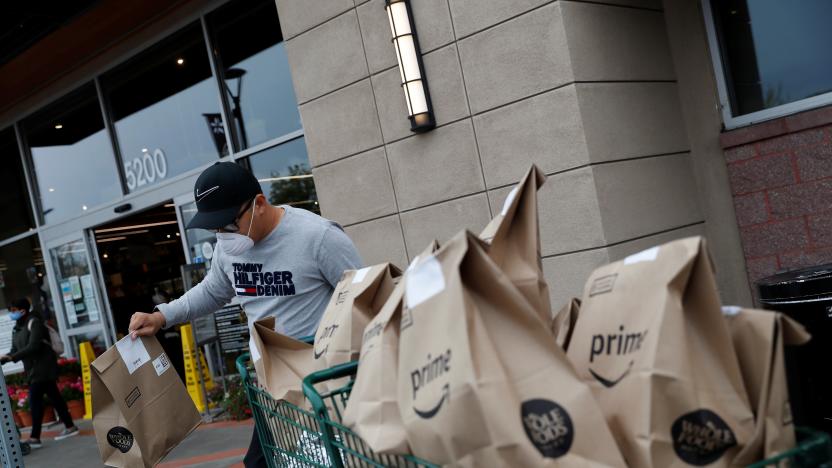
(5, 358)
(142, 324)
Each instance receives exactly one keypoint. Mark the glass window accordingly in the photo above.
(201, 242)
(72, 153)
(166, 110)
(22, 274)
(15, 205)
(76, 284)
(284, 174)
(95, 338)
(773, 52)
(258, 85)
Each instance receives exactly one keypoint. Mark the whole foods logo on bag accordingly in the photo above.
(548, 426)
(429, 374)
(615, 344)
(701, 437)
(120, 438)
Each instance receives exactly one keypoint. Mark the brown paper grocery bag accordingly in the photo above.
(481, 381)
(652, 343)
(514, 235)
(563, 323)
(356, 300)
(372, 410)
(141, 409)
(281, 362)
(759, 337)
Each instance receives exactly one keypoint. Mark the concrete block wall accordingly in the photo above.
(585, 90)
(781, 180)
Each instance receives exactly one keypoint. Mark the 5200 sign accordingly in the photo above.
(146, 169)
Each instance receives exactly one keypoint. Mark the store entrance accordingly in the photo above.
(140, 258)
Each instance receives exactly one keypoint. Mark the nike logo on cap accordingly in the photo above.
(200, 196)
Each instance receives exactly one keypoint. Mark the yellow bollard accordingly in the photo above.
(191, 374)
(87, 357)
(206, 376)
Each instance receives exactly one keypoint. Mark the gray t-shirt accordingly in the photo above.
(290, 274)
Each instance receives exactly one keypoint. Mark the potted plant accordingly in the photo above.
(73, 394)
(12, 389)
(235, 402)
(69, 369)
(21, 399)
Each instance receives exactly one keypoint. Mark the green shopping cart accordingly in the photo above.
(295, 437)
(814, 450)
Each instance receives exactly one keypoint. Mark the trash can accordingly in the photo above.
(806, 296)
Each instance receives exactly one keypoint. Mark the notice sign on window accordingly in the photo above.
(66, 290)
(232, 328)
(6, 330)
(71, 315)
(86, 286)
(75, 285)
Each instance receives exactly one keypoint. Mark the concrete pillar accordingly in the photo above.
(587, 91)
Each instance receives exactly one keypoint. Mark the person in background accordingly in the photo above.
(30, 343)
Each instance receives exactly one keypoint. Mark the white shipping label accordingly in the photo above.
(731, 310)
(161, 364)
(644, 256)
(360, 275)
(252, 348)
(424, 281)
(509, 199)
(132, 352)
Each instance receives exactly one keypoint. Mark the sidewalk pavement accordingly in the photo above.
(216, 445)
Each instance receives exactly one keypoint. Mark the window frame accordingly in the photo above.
(728, 119)
(199, 16)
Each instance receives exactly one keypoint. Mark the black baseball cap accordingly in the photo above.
(219, 192)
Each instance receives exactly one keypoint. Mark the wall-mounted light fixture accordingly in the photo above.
(409, 55)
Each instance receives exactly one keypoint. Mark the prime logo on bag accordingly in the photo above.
(548, 426)
(120, 438)
(425, 375)
(701, 437)
(615, 344)
(326, 334)
(658, 352)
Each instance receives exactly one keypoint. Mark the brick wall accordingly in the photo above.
(781, 180)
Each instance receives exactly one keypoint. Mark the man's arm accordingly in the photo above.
(336, 254)
(206, 297)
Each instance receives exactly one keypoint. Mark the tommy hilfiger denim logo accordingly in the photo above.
(250, 280)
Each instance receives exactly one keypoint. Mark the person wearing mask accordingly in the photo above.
(30, 343)
(276, 260)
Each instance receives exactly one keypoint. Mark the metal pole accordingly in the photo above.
(10, 453)
(221, 361)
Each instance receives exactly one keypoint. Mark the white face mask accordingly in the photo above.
(236, 244)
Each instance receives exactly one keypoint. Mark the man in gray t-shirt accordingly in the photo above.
(277, 260)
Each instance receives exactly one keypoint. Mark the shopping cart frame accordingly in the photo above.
(313, 438)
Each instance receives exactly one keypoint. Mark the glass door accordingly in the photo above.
(199, 244)
(81, 311)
